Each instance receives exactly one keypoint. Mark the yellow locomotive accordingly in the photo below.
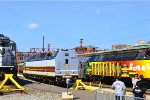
(121, 63)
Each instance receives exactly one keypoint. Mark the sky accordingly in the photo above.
(64, 23)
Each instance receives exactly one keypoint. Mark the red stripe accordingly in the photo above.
(45, 67)
(44, 70)
(41, 69)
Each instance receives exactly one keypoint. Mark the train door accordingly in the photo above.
(72, 63)
(82, 66)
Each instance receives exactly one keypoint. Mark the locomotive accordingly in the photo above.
(125, 64)
(52, 67)
(104, 66)
(7, 56)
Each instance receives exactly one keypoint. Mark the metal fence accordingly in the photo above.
(105, 95)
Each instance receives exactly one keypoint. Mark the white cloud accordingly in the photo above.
(32, 26)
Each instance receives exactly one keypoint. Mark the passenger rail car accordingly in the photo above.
(7, 56)
(123, 63)
(52, 67)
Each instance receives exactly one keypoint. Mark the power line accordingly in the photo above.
(124, 28)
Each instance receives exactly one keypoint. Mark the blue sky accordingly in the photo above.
(64, 23)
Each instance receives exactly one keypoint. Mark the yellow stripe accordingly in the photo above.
(124, 75)
(132, 73)
(124, 68)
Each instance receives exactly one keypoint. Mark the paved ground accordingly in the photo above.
(40, 91)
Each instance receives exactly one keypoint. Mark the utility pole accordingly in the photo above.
(43, 45)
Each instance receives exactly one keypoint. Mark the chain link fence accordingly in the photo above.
(106, 95)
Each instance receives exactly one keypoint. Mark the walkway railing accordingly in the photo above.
(106, 95)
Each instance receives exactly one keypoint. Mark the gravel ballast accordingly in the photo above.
(31, 94)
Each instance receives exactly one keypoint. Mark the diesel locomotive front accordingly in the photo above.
(52, 67)
(7, 56)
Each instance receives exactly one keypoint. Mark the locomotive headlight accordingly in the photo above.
(11, 68)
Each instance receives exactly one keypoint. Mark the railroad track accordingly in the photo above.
(97, 84)
(57, 90)
(77, 93)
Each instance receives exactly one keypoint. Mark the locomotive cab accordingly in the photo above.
(7, 56)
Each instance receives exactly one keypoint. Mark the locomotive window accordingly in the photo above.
(100, 57)
(96, 58)
(107, 57)
(51, 55)
(31, 58)
(147, 54)
(3, 51)
(41, 56)
(92, 58)
(117, 56)
(130, 55)
(141, 55)
(13, 46)
(66, 61)
(66, 54)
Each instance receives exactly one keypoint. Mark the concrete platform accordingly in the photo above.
(66, 96)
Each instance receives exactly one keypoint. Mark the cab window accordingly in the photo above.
(66, 61)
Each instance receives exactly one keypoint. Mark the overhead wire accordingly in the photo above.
(122, 29)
